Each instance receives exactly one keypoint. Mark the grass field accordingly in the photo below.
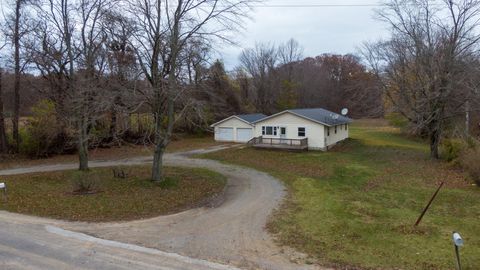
(355, 207)
(50, 194)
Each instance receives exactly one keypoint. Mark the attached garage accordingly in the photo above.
(244, 134)
(225, 134)
(238, 128)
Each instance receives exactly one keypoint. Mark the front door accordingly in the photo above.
(283, 133)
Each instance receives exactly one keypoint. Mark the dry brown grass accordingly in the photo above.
(470, 161)
(181, 143)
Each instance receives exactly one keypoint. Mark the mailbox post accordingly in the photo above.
(3, 187)
(458, 242)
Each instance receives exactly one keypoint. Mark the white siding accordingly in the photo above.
(231, 123)
(314, 131)
(342, 134)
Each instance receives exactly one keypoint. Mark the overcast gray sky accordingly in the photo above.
(318, 27)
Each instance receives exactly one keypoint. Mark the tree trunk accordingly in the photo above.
(113, 125)
(3, 137)
(157, 167)
(161, 141)
(139, 125)
(467, 119)
(434, 143)
(83, 144)
(16, 85)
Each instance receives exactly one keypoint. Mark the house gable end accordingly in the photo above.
(230, 118)
(292, 113)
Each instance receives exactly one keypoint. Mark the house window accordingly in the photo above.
(328, 131)
(269, 131)
(301, 132)
(335, 129)
(346, 126)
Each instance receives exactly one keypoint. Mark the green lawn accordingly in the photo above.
(355, 206)
(50, 194)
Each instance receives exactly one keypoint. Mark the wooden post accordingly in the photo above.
(428, 205)
(457, 253)
(4, 187)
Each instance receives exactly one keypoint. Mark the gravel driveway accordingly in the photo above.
(232, 233)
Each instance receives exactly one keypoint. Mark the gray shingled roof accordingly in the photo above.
(322, 116)
(318, 115)
(250, 118)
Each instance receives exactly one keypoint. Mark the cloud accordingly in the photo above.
(318, 29)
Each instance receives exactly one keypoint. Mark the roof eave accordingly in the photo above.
(228, 118)
(301, 116)
(296, 114)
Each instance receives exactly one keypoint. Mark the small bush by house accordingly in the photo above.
(470, 161)
(451, 149)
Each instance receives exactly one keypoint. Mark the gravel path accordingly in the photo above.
(232, 233)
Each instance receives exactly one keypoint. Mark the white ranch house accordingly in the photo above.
(313, 129)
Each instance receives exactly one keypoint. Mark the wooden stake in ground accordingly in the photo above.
(429, 203)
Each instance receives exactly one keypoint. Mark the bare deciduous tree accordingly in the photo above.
(69, 49)
(290, 52)
(426, 67)
(16, 101)
(122, 71)
(15, 29)
(3, 137)
(260, 62)
(164, 28)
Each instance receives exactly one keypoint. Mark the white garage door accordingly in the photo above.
(225, 134)
(244, 134)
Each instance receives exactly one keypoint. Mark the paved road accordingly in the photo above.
(39, 246)
(230, 234)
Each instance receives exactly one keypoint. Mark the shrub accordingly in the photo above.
(470, 161)
(99, 134)
(397, 120)
(452, 148)
(84, 182)
(41, 131)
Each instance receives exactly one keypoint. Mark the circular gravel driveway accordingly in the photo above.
(232, 233)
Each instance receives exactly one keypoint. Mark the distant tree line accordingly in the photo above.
(273, 78)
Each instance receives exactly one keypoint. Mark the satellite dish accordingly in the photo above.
(344, 111)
